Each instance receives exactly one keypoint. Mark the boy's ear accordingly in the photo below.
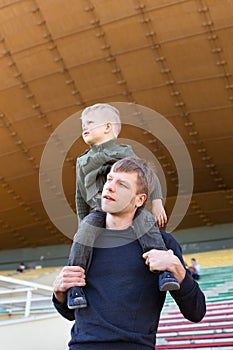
(108, 126)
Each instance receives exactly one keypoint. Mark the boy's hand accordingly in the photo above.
(69, 276)
(159, 212)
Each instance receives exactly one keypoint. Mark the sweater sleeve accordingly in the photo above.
(157, 192)
(63, 309)
(82, 207)
(189, 298)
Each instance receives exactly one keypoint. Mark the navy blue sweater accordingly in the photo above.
(124, 301)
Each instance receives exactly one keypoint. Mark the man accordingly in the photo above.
(122, 289)
(101, 125)
(195, 269)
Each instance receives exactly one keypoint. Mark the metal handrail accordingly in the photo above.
(24, 297)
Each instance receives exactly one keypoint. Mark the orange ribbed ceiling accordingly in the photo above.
(59, 56)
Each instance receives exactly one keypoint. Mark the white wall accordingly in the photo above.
(46, 334)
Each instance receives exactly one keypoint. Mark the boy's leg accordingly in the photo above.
(149, 237)
(81, 253)
(79, 256)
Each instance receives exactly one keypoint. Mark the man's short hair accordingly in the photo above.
(108, 113)
(146, 180)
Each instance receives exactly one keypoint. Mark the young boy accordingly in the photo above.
(101, 126)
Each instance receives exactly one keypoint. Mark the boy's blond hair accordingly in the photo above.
(108, 114)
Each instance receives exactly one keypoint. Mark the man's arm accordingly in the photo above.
(69, 276)
(189, 298)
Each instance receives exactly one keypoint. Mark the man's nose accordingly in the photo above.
(111, 186)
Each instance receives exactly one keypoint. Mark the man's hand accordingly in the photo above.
(69, 276)
(159, 212)
(162, 260)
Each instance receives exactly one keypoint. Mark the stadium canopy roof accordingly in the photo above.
(59, 56)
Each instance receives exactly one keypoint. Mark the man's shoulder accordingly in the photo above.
(170, 241)
(167, 235)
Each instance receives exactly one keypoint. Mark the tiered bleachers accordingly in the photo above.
(215, 331)
(38, 275)
(215, 258)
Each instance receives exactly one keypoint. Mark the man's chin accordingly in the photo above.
(113, 210)
(108, 210)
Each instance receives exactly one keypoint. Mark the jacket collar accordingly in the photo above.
(108, 144)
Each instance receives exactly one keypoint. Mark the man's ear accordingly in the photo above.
(141, 198)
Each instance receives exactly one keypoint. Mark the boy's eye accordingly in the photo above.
(87, 123)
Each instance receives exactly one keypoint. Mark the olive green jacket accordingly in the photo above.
(92, 168)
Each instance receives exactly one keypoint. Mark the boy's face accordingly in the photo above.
(93, 127)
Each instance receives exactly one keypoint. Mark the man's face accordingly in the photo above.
(119, 194)
(93, 128)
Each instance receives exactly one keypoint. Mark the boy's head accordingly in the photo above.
(101, 114)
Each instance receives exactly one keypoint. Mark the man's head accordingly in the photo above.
(129, 183)
(100, 122)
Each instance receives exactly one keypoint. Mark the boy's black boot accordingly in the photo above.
(167, 282)
(76, 298)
